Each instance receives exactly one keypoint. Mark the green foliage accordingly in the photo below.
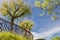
(14, 8)
(56, 38)
(27, 24)
(48, 6)
(45, 4)
(53, 17)
(4, 9)
(38, 4)
(10, 36)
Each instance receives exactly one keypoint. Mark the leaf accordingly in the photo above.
(53, 17)
(50, 7)
(37, 4)
(45, 4)
(49, 12)
(4, 4)
(4, 13)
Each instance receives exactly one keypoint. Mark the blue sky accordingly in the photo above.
(44, 27)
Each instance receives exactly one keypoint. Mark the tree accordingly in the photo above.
(26, 24)
(14, 9)
(48, 6)
(11, 36)
(56, 38)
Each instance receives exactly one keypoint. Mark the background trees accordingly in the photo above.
(14, 9)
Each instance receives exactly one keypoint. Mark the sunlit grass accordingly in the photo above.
(11, 36)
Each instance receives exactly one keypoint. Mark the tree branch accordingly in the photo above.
(9, 13)
(16, 10)
(19, 15)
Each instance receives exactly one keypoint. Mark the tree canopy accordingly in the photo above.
(27, 24)
(14, 9)
(48, 6)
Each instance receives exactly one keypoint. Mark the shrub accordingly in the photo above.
(10, 36)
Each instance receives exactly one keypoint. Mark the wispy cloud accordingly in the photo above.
(47, 33)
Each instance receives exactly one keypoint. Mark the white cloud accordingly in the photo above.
(47, 33)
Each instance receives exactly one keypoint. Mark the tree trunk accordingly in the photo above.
(12, 23)
(25, 33)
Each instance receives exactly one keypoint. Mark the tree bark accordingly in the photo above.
(25, 33)
(12, 23)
